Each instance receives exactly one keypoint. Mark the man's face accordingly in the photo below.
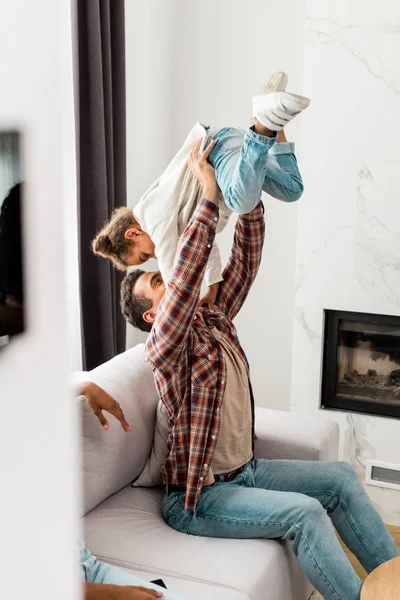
(150, 285)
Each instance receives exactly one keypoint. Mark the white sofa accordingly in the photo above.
(123, 525)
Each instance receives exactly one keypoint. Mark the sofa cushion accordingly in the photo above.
(128, 530)
(294, 436)
(112, 459)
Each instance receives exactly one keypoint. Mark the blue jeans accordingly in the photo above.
(97, 571)
(246, 163)
(287, 499)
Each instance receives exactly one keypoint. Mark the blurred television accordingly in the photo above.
(12, 315)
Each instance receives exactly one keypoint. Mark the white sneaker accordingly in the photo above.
(276, 109)
(276, 83)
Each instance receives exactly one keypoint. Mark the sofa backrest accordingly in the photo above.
(112, 459)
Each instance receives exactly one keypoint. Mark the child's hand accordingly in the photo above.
(209, 298)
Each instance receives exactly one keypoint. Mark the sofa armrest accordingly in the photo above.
(287, 435)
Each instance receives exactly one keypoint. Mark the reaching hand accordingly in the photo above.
(98, 400)
(140, 593)
(209, 298)
(100, 591)
(199, 164)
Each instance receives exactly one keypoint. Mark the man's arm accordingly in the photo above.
(181, 300)
(244, 262)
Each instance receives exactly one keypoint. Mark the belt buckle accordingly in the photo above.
(232, 475)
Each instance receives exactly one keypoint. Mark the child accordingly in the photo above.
(245, 164)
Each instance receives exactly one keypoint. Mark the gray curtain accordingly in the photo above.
(101, 169)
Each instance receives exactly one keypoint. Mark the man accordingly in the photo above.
(214, 485)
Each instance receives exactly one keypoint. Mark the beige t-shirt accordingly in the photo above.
(234, 444)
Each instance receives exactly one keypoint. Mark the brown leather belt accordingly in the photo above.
(218, 478)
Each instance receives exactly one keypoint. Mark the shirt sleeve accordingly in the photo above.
(244, 262)
(175, 313)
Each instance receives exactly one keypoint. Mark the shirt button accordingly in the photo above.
(217, 409)
(222, 382)
(213, 437)
(209, 357)
(205, 466)
(201, 478)
(215, 219)
(195, 317)
(208, 245)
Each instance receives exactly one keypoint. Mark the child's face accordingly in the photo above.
(142, 247)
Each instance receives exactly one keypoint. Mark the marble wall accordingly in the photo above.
(348, 248)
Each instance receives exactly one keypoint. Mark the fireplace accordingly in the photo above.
(361, 363)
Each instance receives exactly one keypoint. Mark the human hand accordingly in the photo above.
(140, 593)
(100, 591)
(209, 298)
(98, 400)
(200, 166)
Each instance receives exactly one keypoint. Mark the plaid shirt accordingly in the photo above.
(187, 361)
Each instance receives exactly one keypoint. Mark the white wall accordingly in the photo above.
(349, 219)
(38, 491)
(204, 61)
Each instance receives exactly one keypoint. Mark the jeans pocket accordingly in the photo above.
(228, 139)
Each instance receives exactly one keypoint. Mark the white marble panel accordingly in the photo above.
(348, 250)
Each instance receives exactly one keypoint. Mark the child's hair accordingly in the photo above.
(111, 242)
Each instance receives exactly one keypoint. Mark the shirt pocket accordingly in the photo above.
(205, 366)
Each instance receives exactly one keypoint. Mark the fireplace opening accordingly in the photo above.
(361, 363)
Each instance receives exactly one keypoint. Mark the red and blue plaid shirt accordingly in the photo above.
(187, 361)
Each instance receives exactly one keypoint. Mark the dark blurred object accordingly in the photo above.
(159, 582)
(11, 280)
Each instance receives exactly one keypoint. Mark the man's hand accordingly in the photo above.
(209, 298)
(104, 591)
(203, 171)
(98, 400)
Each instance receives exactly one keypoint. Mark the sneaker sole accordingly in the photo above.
(276, 83)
